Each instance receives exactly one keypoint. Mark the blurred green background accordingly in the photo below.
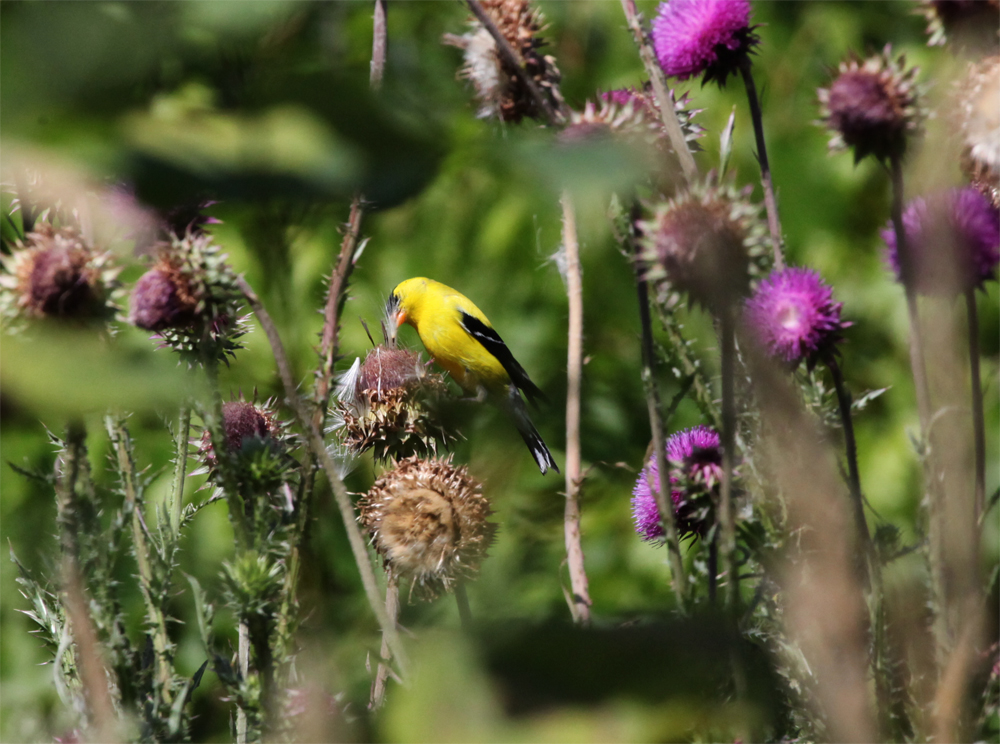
(265, 106)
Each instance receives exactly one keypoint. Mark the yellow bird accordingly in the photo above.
(460, 338)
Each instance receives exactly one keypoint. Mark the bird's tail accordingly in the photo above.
(519, 414)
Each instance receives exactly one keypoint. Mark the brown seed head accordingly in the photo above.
(162, 298)
(428, 521)
(979, 121)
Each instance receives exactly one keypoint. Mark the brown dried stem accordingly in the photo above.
(316, 444)
(384, 670)
(667, 114)
(978, 423)
(379, 44)
(510, 57)
(580, 604)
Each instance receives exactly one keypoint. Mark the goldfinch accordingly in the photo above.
(460, 338)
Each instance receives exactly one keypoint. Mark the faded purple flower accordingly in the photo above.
(162, 299)
(960, 221)
(695, 457)
(695, 36)
(794, 316)
(872, 106)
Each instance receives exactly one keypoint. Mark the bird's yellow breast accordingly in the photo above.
(435, 310)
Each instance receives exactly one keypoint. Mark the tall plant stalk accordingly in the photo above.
(580, 600)
(978, 423)
(770, 203)
(727, 509)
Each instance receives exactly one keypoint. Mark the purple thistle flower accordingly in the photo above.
(695, 457)
(695, 36)
(960, 220)
(795, 317)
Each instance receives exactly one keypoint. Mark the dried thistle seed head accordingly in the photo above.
(429, 522)
(872, 106)
(162, 298)
(199, 314)
(55, 273)
(972, 24)
(501, 93)
(389, 404)
(979, 121)
(703, 243)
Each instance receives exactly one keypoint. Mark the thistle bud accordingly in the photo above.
(872, 106)
(257, 446)
(388, 404)
(428, 521)
(57, 274)
(965, 23)
(702, 243)
(190, 298)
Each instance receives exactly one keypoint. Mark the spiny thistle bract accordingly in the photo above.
(793, 314)
(691, 37)
(191, 300)
(428, 521)
(257, 446)
(979, 121)
(872, 106)
(500, 92)
(388, 404)
(55, 273)
(706, 242)
(629, 115)
(970, 23)
(645, 103)
(953, 241)
(695, 460)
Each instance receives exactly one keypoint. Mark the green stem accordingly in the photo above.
(180, 468)
(978, 423)
(727, 511)
(464, 611)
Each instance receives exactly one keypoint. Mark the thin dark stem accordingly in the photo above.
(727, 511)
(664, 501)
(854, 478)
(464, 611)
(978, 425)
(510, 58)
(668, 116)
(316, 444)
(773, 223)
(379, 44)
(580, 603)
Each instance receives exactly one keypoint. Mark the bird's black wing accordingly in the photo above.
(492, 342)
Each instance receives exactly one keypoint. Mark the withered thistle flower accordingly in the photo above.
(695, 460)
(979, 121)
(972, 23)
(500, 92)
(704, 243)
(691, 37)
(388, 404)
(793, 314)
(428, 521)
(257, 446)
(191, 300)
(56, 274)
(872, 106)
